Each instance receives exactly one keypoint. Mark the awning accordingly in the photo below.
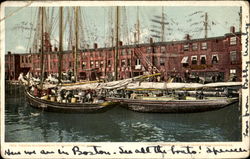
(184, 59)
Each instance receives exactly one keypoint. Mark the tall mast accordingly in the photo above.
(42, 48)
(205, 24)
(138, 26)
(240, 14)
(162, 24)
(60, 44)
(76, 42)
(117, 41)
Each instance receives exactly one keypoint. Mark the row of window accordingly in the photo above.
(26, 59)
(203, 60)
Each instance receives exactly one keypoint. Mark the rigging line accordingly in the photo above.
(15, 11)
(31, 22)
(86, 26)
(53, 26)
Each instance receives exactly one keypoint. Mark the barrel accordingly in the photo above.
(73, 100)
(45, 97)
(52, 98)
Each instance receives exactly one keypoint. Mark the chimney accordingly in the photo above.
(187, 37)
(95, 46)
(120, 43)
(151, 40)
(9, 52)
(55, 49)
(232, 29)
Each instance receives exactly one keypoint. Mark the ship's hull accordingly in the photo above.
(67, 107)
(174, 106)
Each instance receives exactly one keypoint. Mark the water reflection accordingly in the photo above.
(26, 124)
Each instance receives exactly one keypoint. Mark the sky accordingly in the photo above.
(97, 24)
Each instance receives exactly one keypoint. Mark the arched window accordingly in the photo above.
(215, 59)
(203, 59)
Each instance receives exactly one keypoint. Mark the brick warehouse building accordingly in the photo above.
(206, 57)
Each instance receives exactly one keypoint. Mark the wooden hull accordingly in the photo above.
(174, 106)
(67, 107)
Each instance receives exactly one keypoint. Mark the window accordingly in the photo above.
(163, 49)
(194, 60)
(186, 47)
(123, 63)
(91, 63)
(204, 46)
(129, 52)
(232, 71)
(162, 61)
(215, 59)
(101, 53)
(203, 59)
(184, 60)
(101, 64)
(84, 65)
(138, 62)
(155, 61)
(109, 63)
(233, 74)
(233, 41)
(97, 64)
(123, 52)
(194, 46)
(128, 62)
(149, 50)
(233, 56)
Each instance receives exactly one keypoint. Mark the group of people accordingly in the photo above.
(67, 96)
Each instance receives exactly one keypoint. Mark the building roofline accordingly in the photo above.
(141, 45)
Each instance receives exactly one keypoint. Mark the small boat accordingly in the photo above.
(53, 106)
(143, 102)
(171, 105)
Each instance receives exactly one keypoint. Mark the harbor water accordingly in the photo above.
(26, 124)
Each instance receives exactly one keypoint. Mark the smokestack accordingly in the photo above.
(120, 43)
(95, 46)
(187, 37)
(151, 40)
(232, 29)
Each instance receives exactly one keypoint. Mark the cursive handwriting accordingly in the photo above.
(123, 151)
(246, 43)
(245, 75)
(62, 152)
(246, 130)
(9, 152)
(247, 107)
(30, 152)
(76, 151)
(44, 152)
(216, 151)
(185, 150)
(155, 149)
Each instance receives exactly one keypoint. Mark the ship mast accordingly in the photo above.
(138, 26)
(42, 48)
(76, 42)
(206, 24)
(60, 44)
(117, 41)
